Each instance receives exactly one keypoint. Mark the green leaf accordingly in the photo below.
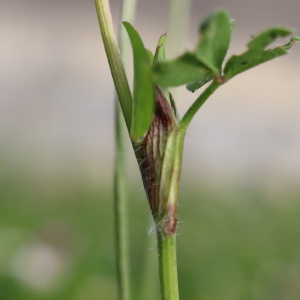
(264, 39)
(215, 38)
(160, 53)
(182, 70)
(150, 56)
(173, 105)
(256, 53)
(143, 88)
(193, 86)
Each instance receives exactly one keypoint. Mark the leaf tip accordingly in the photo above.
(126, 24)
(295, 39)
(162, 40)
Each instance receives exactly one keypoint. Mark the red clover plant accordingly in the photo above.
(155, 129)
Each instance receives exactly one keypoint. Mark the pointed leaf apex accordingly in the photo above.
(160, 52)
(162, 39)
(295, 40)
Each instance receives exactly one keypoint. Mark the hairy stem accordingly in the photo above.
(166, 228)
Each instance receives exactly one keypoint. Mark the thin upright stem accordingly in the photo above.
(179, 10)
(114, 59)
(120, 208)
(125, 99)
(167, 266)
(166, 226)
(120, 169)
(187, 118)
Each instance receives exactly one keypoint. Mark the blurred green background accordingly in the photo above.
(238, 236)
(56, 242)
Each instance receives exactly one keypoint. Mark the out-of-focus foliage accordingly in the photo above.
(56, 243)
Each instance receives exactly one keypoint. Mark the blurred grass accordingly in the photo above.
(56, 242)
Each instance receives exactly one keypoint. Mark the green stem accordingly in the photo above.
(197, 104)
(179, 10)
(167, 266)
(166, 227)
(120, 209)
(114, 59)
(125, 100)
(120, 182)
